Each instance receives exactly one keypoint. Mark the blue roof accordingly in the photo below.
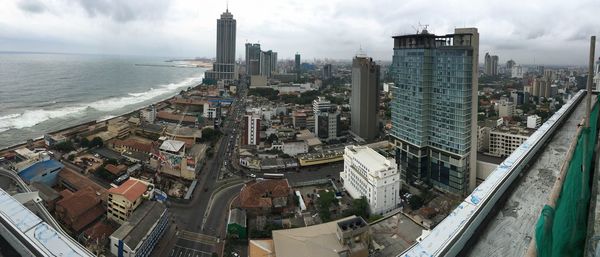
(40, 168)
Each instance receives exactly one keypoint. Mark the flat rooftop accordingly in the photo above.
(394, 235)
(142, 220)
(510, 230)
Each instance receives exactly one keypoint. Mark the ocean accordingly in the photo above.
(40, 93)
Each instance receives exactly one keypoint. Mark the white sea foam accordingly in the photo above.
(107, 117)
(31, 118)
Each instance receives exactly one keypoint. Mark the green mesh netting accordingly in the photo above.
(562, 231)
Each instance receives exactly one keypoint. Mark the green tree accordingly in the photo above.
(415, 202)
(84, 142)
(65, 146)
(272, 138)
(326, 199)
(360, 207)
(210, 134)
(96, 141)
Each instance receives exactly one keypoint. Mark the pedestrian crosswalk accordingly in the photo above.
(180, 251)
(197, 237)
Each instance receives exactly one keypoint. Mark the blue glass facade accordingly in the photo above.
(432, 110)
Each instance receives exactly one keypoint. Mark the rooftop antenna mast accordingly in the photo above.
(424, 27)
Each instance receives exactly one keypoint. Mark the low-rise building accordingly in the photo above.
(506, 109)
(299, 120)
(188, 135)
(48, 194)
(125, 198)
(371, 175)
(118, 128)
(149, 114)
(504, 140)
(295, 147)
(79, 209)
(149, 130)
(116, 170)
(176, 118)
(534, 121)
(45, 172)
(347, 237)
(138, 236)
(51, 140)
(132, 145)
(236, 224)
(265, 196)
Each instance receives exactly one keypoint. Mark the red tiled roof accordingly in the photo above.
(259, 193)
(100, 230)
(79, 181)
(116, 170)
(132, 189)
(88, 217)
(175, 117)
(66, 193)
(79, 209)
(79, 202)
(134, 144)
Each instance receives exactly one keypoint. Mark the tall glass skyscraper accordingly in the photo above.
(224, 67)
(434, 108)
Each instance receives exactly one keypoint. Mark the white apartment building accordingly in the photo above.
(506, 109)
(518, 71)
(251, 134)
(534, 121)
(149, 114)
(369, 174)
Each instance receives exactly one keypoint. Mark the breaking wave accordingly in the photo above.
(30, 118)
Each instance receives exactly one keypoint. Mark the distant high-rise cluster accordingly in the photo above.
(434, 108)
(490, 65)
(224, 67)
(364, 103)
(260, 62)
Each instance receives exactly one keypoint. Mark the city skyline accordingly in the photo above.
(529, 33)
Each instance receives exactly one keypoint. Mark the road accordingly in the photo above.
(198, 232)
(201, 224)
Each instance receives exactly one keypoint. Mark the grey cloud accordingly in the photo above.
(32, 6)
(125, 11)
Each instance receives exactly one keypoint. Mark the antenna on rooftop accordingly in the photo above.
(360, 52)
(424, 28)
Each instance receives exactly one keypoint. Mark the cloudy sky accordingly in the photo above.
(528, 31)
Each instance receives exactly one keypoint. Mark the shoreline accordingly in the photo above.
(95, 121)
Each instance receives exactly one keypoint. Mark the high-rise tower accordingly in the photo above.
(434, 108)
(364, 102)
(224, 67)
